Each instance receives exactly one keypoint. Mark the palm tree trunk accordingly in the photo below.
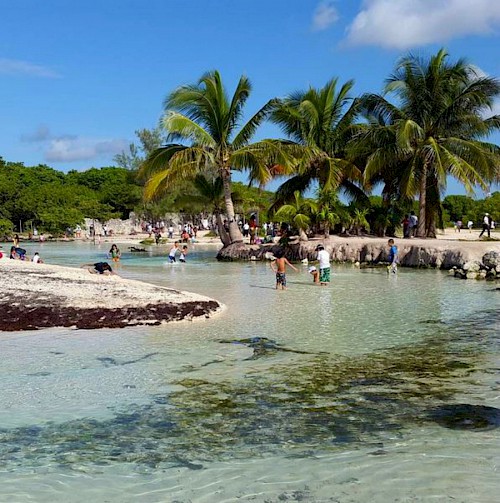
(421, 230)
(234, 231)
(224, 236)
(303, 235)
(327, 230)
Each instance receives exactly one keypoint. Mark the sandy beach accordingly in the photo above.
(42, 295)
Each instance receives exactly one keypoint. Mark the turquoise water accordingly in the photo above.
(313, 394)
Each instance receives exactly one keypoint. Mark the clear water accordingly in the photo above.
(339, 402)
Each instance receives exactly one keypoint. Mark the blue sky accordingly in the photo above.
(78, 78)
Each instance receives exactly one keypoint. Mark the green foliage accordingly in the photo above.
(53, 201)
(6, 227)
(149, 140)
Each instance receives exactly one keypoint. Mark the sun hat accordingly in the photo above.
(312, 269)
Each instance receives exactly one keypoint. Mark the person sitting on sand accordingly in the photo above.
(17, 253)
(115, 253)
(278, 265)
(99, 268)
(36, 258)
(185, 236)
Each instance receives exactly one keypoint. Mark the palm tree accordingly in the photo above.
(203, 115)
(328, 212)
(209, 196)
(297, 213)
(319, 121)
(433, 133)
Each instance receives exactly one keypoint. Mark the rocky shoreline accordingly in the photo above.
(474, 256)
(34, 296)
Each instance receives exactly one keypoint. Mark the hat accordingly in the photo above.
(486, 214)
(312, 269)
(320, 247)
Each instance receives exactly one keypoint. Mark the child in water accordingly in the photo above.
(278, 265)
(115, 253)
(183, 254)
(393, 257)
(315, 274)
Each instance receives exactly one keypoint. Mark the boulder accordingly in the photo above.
(491, 260)
(472, 266)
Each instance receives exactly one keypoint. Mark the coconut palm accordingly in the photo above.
(328, 212)
(209, 196)
(434, 132)
(297, 213)
(203, 115)
(319, 121)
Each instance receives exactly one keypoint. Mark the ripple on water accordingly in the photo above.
(345, 415)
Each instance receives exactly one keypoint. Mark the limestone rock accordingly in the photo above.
(491, 260)
(472, 266)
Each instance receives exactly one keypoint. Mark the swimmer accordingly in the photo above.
(115, 253)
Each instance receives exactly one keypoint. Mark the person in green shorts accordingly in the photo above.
(324, 265)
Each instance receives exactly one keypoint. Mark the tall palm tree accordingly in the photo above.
(320, 122)
(203, 116)
(434, 132)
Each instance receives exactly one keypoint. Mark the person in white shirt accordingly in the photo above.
(486, 224)
(324, 265)
(36, 259)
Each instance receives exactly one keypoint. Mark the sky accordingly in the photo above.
(78, 78)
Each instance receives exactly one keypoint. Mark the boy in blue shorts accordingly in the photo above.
(393, 257)
(280, 269)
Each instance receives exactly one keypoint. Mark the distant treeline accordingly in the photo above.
(52, 201)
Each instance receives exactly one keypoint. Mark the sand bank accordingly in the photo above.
(40, 295)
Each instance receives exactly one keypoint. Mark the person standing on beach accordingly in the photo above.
(393, 257)
(324, 265)
(278, 266)
(412, 224)
(486, 224)
(406, 227)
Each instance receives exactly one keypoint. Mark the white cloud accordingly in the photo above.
(324, 16)
(17, 67)
(402, 24)
(70, 148)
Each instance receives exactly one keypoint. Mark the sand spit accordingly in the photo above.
(36, 296)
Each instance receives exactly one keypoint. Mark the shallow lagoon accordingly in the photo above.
(345, 402)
